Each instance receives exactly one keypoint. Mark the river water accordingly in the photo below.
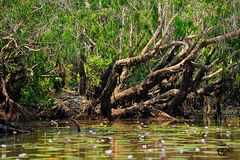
(124, 140)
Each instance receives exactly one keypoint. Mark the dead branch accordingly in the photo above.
(150, 42)
(221, 37)
(141, 109)
(213, 75)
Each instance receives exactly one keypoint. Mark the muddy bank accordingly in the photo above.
(66, 106)
(71, 105)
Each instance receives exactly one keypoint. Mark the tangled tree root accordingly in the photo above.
(10, 110)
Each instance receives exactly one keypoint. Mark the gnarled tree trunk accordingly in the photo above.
(177, 74)
(83, 76)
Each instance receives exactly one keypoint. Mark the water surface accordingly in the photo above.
(124, 140)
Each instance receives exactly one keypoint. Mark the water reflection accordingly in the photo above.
(124, 140)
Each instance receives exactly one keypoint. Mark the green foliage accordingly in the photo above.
(183, 27)
(38, 94)
(64, 29)
(95, 68)
(136, 76)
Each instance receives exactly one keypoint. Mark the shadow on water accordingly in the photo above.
(139, 139)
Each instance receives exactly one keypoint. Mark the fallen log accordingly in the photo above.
(10, 127)
(141, 110)
(177, 67)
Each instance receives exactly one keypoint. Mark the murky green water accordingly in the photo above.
(124, 140)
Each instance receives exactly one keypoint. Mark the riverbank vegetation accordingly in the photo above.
(128, 59)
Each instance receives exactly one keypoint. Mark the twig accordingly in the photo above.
(77, 124)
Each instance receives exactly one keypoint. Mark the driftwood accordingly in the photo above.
(9, 127)
(178, 73)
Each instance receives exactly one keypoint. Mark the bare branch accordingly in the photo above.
(160, 19)
(216, 73)
(31, 49)
(36, 9)
(167, 94)
(202, 66)
(206, 67)
(222, 37)
(165, 34)
(150, 42)
(89, 39)
(11, 38)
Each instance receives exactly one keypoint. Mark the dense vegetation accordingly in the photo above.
(139, 57)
